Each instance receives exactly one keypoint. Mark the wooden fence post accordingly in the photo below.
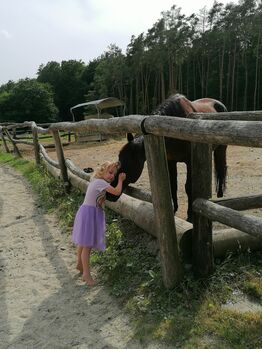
(202, 249)
(163, 209)
(14, 132)
(16, 150)
(36, 143)
(4, 141)
(61, 159)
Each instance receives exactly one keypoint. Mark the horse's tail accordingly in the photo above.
(220, 158)
(220, 161)
(219, 106)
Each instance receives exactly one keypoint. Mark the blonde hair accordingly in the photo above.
(102, 169)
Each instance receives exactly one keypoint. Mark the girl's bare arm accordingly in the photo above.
(118, 189)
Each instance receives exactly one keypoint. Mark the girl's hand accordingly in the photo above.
(118, 189)
(122, 176)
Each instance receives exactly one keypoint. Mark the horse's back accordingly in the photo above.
(209, 105)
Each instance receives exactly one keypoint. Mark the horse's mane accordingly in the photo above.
(175, 105)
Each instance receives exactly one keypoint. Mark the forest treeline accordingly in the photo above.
(215, 53)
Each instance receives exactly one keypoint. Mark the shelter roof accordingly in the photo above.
(108, 102)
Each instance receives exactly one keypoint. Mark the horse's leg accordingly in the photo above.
(173, 182)
(188, 188)
(220, 161)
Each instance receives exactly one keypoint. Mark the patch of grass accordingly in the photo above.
(188, 316)
(253, 287)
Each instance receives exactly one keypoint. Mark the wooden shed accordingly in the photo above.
(101, 109)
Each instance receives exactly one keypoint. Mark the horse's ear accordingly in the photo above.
(130, 137)
(186, 105)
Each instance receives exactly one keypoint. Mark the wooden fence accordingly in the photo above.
(202, 130)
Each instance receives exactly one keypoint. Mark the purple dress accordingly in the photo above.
(89, 225)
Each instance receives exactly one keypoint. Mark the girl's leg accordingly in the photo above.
(85, 256)
(79, 265)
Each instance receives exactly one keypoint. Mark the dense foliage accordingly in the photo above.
(215, 53)
(27, 100)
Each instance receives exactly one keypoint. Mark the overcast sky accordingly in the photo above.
(33, 32)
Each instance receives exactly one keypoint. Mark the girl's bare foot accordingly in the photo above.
(89, 280)
(79, 267)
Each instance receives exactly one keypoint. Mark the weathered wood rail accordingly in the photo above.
(249, 224)
(174, 235)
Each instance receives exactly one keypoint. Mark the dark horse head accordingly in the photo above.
(132, 155)
(132, 159)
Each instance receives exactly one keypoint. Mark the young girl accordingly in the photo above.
(89, 226)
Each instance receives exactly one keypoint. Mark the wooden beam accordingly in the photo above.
(234, 115)
(4, 141)
(138, 193)
(19, 141)
(162, 203)
(77, 171)
(16, 150)
(241, 203)
(231, 240)
(61, 158)
(245, 133)
(36, 143)
(202, 248)
(120, 125)
(249, 224)
(44, 155)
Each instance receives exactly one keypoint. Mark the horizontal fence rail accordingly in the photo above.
(47, 158)
(77, 171)
(243, 133)
(241, 203)
(249, 224)
(231, 132)
(233, 115)
(21, 141)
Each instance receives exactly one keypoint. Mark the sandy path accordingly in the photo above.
(43, 302)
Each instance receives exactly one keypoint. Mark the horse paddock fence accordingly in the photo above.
(175, 236)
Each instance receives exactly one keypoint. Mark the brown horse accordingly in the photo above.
(132, 155)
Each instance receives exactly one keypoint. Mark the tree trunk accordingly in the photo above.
(256, 75)
(221, 72)
(228, 77)
(233, 77)
(162, 79)
(246, 83)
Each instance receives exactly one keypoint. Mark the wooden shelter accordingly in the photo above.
(101, 106)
